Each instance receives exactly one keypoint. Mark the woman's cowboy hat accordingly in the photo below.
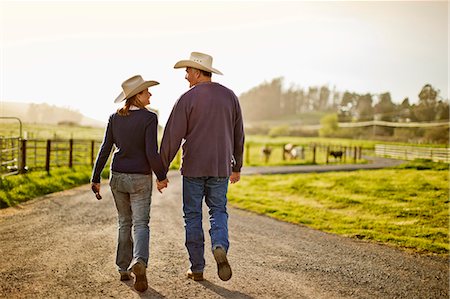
(198, 61)
(132, 87)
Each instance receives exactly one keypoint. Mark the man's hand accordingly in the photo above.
(235, 177)
(161, 184)
(96, 189)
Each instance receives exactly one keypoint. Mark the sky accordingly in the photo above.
(77, 54)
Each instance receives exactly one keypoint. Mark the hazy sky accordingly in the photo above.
(77, 54)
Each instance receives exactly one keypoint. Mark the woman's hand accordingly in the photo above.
(162, 184)
(96, 189)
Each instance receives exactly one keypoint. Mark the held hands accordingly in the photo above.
(235, 177)
(160, 185)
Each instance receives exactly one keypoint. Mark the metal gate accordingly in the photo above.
(10, 150)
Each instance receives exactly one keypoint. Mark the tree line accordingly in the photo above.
(270, 100)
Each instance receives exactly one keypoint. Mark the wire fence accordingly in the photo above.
(413, 152)
(20, 155)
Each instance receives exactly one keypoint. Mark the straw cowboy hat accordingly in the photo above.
(132, 87)
(198, 61)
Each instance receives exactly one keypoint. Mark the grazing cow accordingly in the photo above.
(266, 151)
(298, 153)
(294, 152)
(337, 154)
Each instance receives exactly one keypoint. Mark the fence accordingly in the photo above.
(9, 154)
(285, 154)
(20, 155)
(413, 152)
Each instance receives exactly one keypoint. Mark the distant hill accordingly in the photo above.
(46, 114)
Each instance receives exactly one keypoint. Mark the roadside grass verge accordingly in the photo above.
(20, 188)
(403, 207)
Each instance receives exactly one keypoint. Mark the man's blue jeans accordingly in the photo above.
(132, 195)
(214, 190)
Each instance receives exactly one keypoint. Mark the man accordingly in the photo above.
(208, 119)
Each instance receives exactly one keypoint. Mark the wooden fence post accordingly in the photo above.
(1, 153)
(23, 156)
(247, 153)
(328, 153)
(314, 154)
(282, 151)
(354, 154)
(47, 155)
(345, 153)
(71, 153)
(92, 152)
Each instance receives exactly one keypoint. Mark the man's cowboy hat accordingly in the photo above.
(198, 61)
(132, 87)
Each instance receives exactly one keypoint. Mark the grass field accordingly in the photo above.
(403, 207)
(20, 188)
(42, 131)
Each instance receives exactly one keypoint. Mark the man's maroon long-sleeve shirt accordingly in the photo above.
(208, 119)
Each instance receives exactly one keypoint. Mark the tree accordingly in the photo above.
(428, 94)
(364, 109)
(385, 109)
(313, 98)
(442, 110)
(324, 95)
(289, 102)
(404, 110)
(262, 102)
(427, 108)
(349, 99)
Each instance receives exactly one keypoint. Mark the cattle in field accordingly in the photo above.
(266, 151)
(337, 154)
(293, 152)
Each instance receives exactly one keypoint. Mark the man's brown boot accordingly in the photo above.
(196, 276)
(140, 284)
(223, 267)
(125, 276)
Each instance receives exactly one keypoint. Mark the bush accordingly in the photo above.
(437, 135)
(279, 131)
(329, 125)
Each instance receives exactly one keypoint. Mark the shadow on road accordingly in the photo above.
(149, 293)
(224, 292)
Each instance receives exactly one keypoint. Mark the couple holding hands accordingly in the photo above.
(207, 121)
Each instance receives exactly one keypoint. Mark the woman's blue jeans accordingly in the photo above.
(214, 190)
(132, 196)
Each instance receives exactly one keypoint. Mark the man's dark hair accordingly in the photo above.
(206, 73)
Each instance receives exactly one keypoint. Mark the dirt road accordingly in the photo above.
(63, 246)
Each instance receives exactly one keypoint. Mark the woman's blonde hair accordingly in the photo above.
(133, 101)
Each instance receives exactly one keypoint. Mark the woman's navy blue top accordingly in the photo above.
(135, 137)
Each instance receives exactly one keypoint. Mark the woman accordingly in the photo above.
(133, 131)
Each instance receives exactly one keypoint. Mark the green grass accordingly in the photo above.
(402, 207)
(20, 188)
